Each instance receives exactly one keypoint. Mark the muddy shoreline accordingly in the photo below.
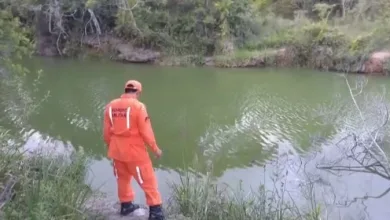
(321, 59)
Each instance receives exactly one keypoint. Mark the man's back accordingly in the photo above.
(127, 128)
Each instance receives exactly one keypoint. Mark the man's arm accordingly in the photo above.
(106, 127)
(146, 130)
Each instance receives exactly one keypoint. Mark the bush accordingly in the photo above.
(201, 198)
(42, 187)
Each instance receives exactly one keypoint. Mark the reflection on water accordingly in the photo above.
(36, 142)
(101, 177)
(271, 125)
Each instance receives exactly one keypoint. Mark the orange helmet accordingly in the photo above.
(133, 84)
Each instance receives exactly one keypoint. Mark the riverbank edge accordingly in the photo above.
(321, 58)
(53, 185)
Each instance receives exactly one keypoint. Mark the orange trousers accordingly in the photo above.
(145, 177)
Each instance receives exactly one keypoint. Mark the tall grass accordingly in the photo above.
(41, 187)
(201, 198)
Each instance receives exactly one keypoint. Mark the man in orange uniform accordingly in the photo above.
(127, 128)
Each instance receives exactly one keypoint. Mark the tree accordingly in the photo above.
(14, 46)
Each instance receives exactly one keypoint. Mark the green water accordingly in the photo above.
(234, 119)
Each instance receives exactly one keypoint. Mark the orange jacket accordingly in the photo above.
(127, 128)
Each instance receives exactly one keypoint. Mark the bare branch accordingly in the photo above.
(6, 194)
(367, 197)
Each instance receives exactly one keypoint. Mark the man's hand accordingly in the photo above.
(158, 154)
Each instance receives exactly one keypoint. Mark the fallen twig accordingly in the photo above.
(6, 194)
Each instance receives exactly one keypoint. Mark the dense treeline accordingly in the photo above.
(196, 26)
(347, 29)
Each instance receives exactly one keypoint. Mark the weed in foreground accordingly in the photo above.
(41, 187)
(201, 198)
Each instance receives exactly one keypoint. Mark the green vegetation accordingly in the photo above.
(32, 186)
(331, 34)
(234, 33)
(201, 198)
(40, 187)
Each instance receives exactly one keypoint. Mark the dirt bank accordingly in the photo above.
(320, 58)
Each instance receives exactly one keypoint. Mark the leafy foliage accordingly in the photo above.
(208, 27)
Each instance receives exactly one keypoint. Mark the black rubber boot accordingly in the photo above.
(128, 208)
(156, 213)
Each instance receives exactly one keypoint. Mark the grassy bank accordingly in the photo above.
(200, 198)
(321, 45)
(45, 186)
(41, 187)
